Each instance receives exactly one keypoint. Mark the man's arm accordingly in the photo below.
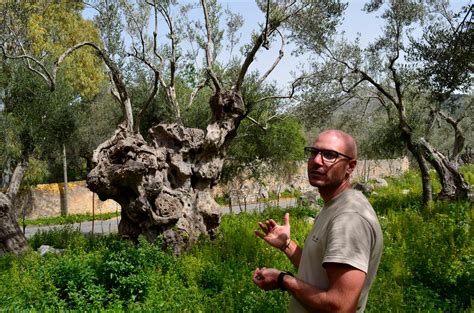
(345, 286)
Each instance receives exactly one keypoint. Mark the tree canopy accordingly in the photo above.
(391, 73)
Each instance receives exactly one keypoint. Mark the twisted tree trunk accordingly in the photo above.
(425, 174)
(164, 187)
(453, 185)
(12, 238)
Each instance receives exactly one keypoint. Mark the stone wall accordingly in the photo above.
(372, 169)
(251, 190)
(47, 199)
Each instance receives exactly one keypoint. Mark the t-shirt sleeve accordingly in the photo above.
(349, 240)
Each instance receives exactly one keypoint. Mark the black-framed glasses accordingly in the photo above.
(329, 156)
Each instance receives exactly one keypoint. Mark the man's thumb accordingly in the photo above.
(286, 219)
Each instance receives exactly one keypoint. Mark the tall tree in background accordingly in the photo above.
(40, 30)
(164, 184)
(379, 74)
(446, 66)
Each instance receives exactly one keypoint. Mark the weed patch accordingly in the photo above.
(427, 265)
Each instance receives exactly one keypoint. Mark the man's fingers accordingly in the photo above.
(286, 219)
(269, 225)
(259, 234)
(256, 276)
(265, 228)
(272, 223)
(255, 273)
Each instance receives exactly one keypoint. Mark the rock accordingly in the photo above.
(364, 188)
(380, 182)
(309, 220)
(309, 198)
(45, 249)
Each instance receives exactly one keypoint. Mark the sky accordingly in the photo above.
(355, 22)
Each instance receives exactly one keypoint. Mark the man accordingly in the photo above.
(341, 255)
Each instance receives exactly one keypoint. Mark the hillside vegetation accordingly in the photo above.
(427, 264)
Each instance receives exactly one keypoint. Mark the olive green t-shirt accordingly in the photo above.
(346, 231)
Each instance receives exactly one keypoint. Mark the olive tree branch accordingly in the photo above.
(274, 65)
(210, 47)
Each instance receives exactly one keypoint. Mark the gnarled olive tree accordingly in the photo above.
(163, 183)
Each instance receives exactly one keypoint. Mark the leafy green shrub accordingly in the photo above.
(76, 282)
(58, 237)
(468, 172)
(211, 279)
(96, 273)
(441, 253)
(123, 270)
(427, 260)
(216, 275)
(427, 266)
(222, 200)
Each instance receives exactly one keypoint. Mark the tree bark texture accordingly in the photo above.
(453, 185)
(65, 202)
(407, 136)
(164, 186)
(424, 171)
(12, 238)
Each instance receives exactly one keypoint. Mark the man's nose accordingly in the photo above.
(318, 159)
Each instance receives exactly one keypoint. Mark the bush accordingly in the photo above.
(427, 266)
(61, 238)
(468, 172)
(76, 282)
(427, 261)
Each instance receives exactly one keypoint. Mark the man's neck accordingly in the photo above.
(330, 193)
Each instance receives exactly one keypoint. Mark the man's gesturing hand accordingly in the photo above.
(277, 236)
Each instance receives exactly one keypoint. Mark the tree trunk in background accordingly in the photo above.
(459, 143)
(414, 148)
(164, 187)
(425, 174)
(454, 187)
(6, 174)
(65, 203)
(12, 238)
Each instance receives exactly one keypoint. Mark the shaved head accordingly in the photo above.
(343, 141)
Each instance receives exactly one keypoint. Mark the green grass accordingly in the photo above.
(468, 172)
(69, 219)
(426, 266)
(223, 200)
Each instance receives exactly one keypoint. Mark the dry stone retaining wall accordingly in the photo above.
(252, 190)
(373, 169)
(46, 200)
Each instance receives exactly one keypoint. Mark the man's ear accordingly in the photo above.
(351, 167)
